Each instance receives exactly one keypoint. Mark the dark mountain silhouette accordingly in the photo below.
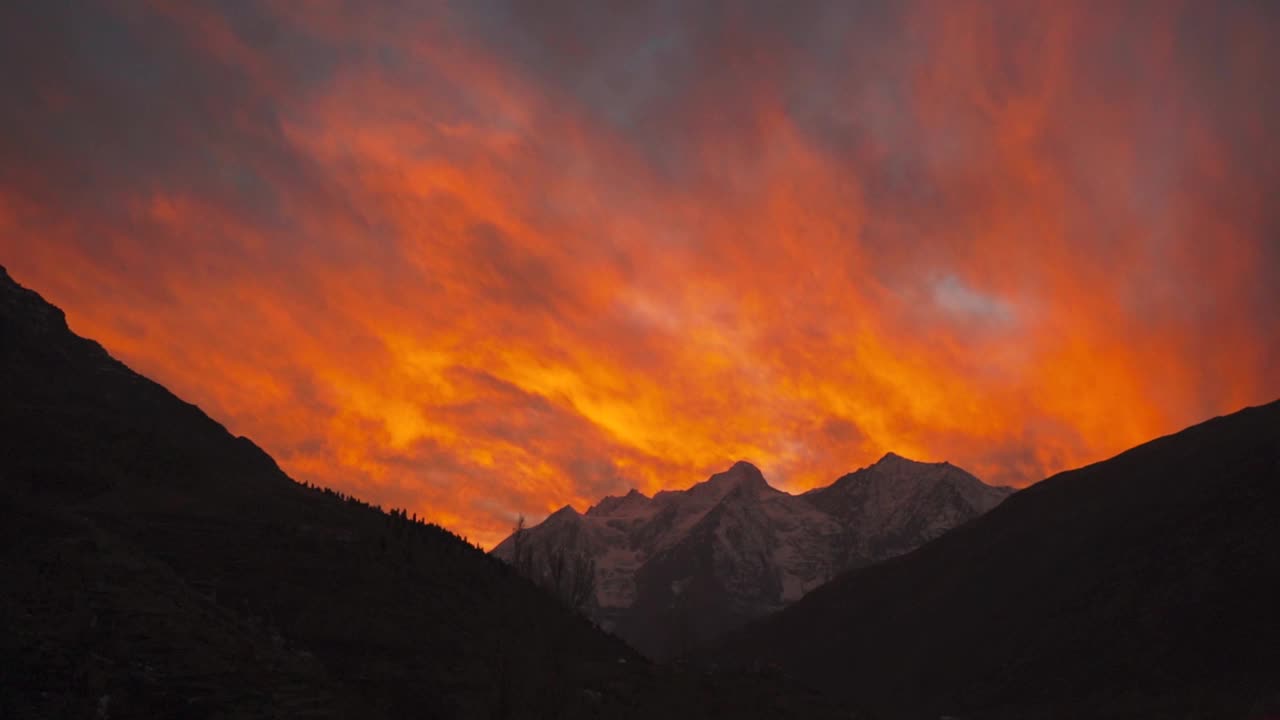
(678, 570)
(1142, 586)
(153, 565)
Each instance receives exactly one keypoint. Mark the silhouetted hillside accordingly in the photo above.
(1142, 586)
(154, 565)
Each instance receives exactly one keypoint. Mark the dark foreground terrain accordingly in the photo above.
(154, 565)
(1142, 586)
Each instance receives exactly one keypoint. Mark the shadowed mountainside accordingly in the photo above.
(1136, 587)
(156, 566)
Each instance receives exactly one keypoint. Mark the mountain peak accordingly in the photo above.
(633, 501)
(565, 513)
(741, 474)
(893, 459)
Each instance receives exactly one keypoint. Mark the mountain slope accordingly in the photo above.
(897, 504)
(675, 571)
(156, 566)
(1135, 587)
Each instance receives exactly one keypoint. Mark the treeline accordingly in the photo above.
(567, 574)
(400, 521)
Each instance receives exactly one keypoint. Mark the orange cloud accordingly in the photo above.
(475, 264)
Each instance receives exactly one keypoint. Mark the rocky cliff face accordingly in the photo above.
(897, 505)
(681, 568)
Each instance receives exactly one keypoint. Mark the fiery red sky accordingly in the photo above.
(485, 258)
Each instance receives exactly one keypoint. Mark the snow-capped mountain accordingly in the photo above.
(678, 569)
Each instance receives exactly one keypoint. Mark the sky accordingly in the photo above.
(484, 258)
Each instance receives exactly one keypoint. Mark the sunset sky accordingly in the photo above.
(481, 258)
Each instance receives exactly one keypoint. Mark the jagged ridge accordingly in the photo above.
(678, 569)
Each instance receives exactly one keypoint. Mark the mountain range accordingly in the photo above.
(675, 571)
